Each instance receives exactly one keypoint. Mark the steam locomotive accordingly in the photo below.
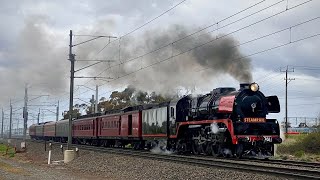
(224, 122)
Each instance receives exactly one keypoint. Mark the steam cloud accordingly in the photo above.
(214, 128)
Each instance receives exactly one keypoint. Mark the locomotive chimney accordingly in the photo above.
(244, 85)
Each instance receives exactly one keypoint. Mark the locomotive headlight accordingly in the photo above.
(254, 87)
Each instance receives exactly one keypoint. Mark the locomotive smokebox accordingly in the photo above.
(244, 85)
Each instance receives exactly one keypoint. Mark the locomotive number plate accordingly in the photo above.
(254, 120)
(267, 138)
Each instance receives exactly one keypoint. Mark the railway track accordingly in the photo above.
(286, 162)
(309, 171)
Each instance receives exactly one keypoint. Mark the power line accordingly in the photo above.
(142, 25)
(300, 97)
(229, 34)
(142, 68)
(311, 104)
(189, 35)
(316, 67)
(308, 79)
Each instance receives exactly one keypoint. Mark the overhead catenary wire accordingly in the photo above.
(201, 45)
(220, 38)
(132, 31)
(260, 51)
(224, 19)
(148, 22)
(189, 35)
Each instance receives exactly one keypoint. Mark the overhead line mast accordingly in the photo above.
(287, 82)
(72, 71)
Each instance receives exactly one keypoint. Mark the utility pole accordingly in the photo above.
(17, 123)
(92, 105)
(10, 121)
(287, 82)
(72, 71)
(57, 112)
(25, 112)
(71, 59)
(38, 119)
(2, 123)
(96, 102)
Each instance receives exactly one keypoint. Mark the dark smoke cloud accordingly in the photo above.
(40, 58)
(221, 57)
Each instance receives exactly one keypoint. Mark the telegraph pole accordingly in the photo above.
(96, 102)
(38, 119)
(92, 104)
(2, 123)
(25, 112)
(71, 59)
(57, 112)
(10, 121)
(287, 82)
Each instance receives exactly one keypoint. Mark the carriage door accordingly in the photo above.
(130, 125)
(172, 120)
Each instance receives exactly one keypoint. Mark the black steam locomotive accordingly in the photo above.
(227, 122)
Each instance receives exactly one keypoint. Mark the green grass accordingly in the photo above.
(303, 146)
(3, 150)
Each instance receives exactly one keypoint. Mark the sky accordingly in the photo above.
(245, 41)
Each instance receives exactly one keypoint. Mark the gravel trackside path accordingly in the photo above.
(12, 169)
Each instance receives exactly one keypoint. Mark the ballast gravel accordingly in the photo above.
(98, 165)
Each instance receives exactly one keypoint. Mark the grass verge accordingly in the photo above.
(7, 150)
(304, 147)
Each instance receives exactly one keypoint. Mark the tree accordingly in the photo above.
(129, 97)
(142, 97)
(157, 98)
(75, 114)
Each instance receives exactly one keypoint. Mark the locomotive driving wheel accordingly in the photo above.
(238, 151)
(216, 150)
(196, 148)
(181, 147)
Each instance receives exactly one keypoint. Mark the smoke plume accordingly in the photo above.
(176, 65)
(40, 58)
